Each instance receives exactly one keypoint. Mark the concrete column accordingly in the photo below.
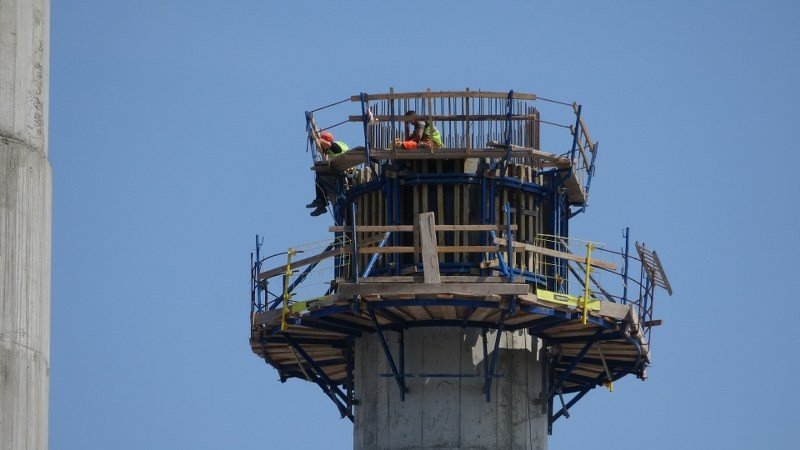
(450, 412)
(25, 220)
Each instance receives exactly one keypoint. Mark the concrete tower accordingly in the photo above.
(25, 222)
(454, 309)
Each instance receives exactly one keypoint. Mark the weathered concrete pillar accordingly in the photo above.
(25, 216)
(450, 412)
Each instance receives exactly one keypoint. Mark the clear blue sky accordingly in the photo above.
(177, 134)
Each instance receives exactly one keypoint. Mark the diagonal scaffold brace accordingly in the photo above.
(399, 375)
(556, 388)
(564, 411)
(339, 398)
(489, 366)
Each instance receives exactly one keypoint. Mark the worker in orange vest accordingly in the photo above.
(424, 135)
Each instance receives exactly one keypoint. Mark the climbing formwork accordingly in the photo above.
(461, 254)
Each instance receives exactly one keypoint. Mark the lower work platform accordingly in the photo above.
(608, 346)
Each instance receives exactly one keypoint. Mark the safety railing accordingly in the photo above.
(470, 121)
(583, 152)
(579, 273)
(306, 271)
(575, 273)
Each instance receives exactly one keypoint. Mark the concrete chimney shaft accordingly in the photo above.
(25, 223)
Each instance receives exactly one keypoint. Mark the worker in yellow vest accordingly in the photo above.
(328, 147)
(424, 135)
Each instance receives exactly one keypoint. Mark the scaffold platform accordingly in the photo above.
(470, 234)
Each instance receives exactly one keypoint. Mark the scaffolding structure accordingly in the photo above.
(474, 234)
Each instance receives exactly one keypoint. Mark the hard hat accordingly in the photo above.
(326, 136)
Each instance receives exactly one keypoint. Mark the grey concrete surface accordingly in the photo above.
(25, 224)
(450, 412)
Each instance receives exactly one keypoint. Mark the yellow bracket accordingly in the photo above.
(298, 307)
(586, 282)
(286, 295)
(570, 301)
(609, 385)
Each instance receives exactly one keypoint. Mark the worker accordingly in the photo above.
(424, 134)
(328, 148)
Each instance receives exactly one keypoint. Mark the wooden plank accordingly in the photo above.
(465, 218)
(445, 279)
(416, 192)
(575, 192)
(615, 310)
(348, 290)
(461, 153)
(427, 237)
(439, 209)
(444, 94)
(392, 279)
(586, 134)
(557, 254)
(419, 313)
(403, 313)
(449, 117)
(304, 262)
(357, 156)
(440, 249)
(372, 228)
(534, 153)
(457, 219)
(324, 255)
(478, 279)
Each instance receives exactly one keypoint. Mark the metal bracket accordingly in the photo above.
(323, 381)
(489, 366)
(565, 407)
(557, 385)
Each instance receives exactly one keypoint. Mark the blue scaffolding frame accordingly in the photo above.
(552, 193)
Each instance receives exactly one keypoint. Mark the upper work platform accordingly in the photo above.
(497, 127)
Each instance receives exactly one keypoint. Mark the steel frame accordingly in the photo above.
(551, 195)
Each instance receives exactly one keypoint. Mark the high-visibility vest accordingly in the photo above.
(341, 145)
(433, 134)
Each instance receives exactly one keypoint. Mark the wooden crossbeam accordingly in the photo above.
(449, 117)
(316, 258)
(439, 249)
(557, 254)
(348, 290)
(445, 94)
(406, 228)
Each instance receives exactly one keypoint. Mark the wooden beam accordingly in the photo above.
(305, 261)
(559, 161)
(407, 228)
(447, 117)
(445, 279)
(444, 94)
(557, 254)
(615, 310)
(439, 249)
(324, 255)
(430, 258)
(356, 156)
(349, 290)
